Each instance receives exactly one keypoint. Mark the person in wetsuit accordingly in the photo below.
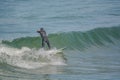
(44, 37)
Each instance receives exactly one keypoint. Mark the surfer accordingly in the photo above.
(44, 37)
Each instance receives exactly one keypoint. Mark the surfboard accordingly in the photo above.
(60, 50)
(55, 51)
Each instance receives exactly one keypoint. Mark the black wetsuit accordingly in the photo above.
(44, 38)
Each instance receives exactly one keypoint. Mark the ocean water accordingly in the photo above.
(88, 30)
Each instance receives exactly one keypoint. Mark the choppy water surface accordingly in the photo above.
(89, 30)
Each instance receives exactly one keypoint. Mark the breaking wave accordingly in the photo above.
(30, 58)
(26, 52)
(72, 40)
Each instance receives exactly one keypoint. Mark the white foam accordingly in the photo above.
(30, 58)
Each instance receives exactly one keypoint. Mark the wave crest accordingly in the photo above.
(72, 40)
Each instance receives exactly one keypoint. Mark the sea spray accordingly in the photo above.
(30, 58)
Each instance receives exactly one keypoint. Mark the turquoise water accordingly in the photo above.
(88, 30)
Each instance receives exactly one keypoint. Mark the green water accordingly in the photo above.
(75, 40)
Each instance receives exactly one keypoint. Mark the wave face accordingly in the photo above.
(72, 40)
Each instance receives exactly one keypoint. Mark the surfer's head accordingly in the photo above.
(41, 29)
